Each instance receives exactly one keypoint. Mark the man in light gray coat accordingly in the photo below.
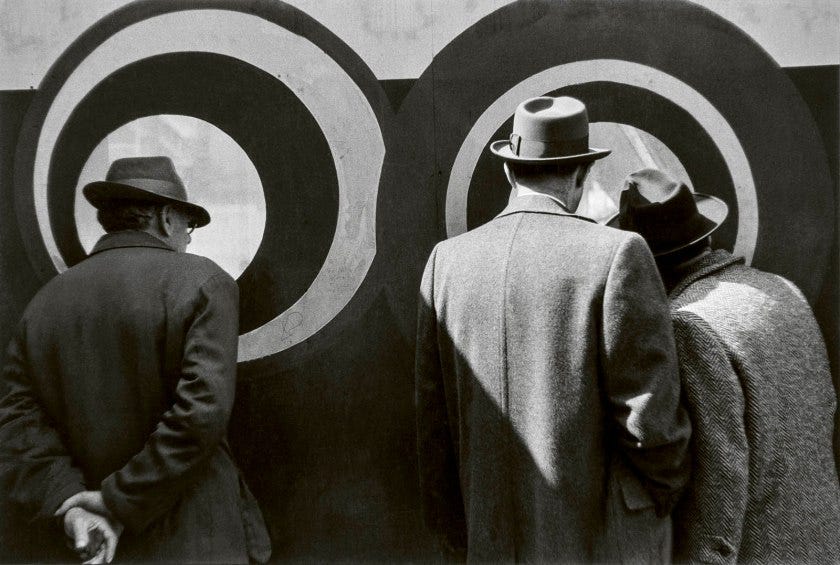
(548, 417)
(757, 385)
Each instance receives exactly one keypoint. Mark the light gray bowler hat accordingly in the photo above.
(145, 179)
(549, 129)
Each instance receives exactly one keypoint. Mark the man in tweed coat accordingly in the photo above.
(757, 384)
(548, 417)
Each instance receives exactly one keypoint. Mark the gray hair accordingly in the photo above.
(118, 215)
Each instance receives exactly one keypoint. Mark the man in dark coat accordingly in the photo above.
(548, 419)
(119, 383)
(758, 388)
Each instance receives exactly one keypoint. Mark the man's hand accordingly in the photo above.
(90, 500)
(92, 536)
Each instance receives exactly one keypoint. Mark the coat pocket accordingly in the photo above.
(714, 549)
(633, 493)
(256, 535)
(633, 531)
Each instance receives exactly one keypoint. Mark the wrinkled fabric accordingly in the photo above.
(548, 419)
(121, 378)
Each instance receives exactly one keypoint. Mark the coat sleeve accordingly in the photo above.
(193, 427)
(641, 376)
(710, 518)
(442, 502)
(37, 472)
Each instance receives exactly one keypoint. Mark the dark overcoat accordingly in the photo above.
(758, 387)
(546, 379)
(121, 377)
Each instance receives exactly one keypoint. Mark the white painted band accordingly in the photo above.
(620, 72)
(334, 99)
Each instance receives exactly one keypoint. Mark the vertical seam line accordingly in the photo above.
(503, 345)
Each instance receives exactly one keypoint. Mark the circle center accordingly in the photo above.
(218, 175)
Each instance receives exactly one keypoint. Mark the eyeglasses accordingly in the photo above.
(191, 227)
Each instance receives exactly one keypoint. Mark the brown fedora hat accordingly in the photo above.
(549, 129)
(665, 212)
(145, 179)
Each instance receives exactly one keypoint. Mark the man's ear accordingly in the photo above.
(580, 174)
(165, 218)
(510, 176)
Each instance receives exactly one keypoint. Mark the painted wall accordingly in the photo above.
(336, 142)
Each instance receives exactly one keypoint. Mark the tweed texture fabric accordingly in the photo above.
(548, 418)
(757, 384)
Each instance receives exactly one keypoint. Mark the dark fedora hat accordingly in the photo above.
(145, 179)
(549, 129)
(665, 212)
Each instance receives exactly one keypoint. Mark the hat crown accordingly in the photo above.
(144, 179)
(654, 197)
(665, 212)
(156, 174)
(546, 128)
(551, 120)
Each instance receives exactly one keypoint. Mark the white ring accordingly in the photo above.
(334, 99)
(234, 236)
(620, 72)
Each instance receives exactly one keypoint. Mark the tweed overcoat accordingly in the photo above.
(758, 387)
(121, 377)
(548, 415)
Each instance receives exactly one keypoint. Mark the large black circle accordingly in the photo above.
(264, 117)
(620, 103)
(256, 309)
(712, 56)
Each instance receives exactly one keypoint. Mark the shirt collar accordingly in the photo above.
(128, 238)
(539, 203)
(522, 191)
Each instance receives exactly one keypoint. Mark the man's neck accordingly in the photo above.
(160, 236)
(675, 270)
(553, 194)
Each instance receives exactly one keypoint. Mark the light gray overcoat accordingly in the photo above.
(758, 387)
(546, 379)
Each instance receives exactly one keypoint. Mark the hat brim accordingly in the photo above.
(99, 193)
(710, 207)
(501, 148)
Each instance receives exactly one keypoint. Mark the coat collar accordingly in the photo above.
(712, 262)
(538, 204)
(128, 238)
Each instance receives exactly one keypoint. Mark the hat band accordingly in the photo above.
(664, 238)
(533, 149)
(160, 187)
